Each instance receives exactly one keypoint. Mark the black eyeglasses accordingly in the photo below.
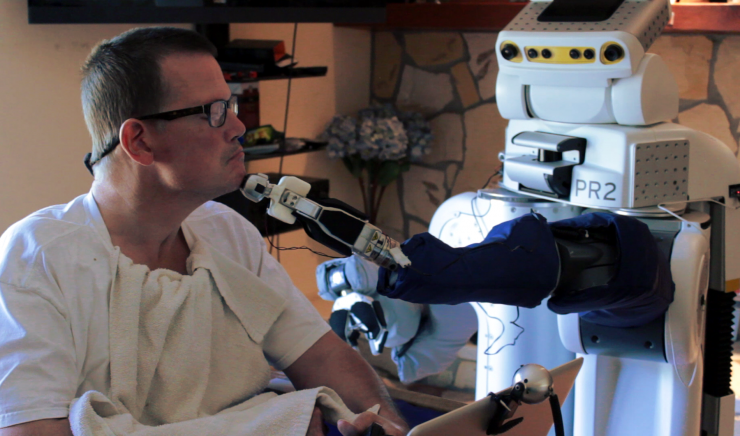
(216, 113)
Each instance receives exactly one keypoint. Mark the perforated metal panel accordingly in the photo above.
(644, 19)
(661, 172)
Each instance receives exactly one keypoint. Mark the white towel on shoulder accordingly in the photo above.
(186, 360)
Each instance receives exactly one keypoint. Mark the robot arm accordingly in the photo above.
(519, 263)
(330, 222)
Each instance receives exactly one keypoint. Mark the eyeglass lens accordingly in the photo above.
(218, 111)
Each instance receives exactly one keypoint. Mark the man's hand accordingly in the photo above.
(332, 363)
(317, 427)
(365, 420)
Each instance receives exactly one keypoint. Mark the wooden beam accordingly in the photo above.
(705, 18)
(493, 16)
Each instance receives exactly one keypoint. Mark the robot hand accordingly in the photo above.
(340, 280)
(354, 314)
(330, 222)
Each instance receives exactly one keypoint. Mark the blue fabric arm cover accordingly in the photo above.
(517, 264)
(642, 288)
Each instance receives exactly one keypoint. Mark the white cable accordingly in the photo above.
(675, 215)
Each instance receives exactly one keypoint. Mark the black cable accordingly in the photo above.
(503, 330)
(285, 121)
(499, 171)
(279, 249)
(557, 415)
(473, 203)
(290, 80)
(474, 215)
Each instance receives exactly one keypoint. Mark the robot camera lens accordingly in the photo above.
(575, 54)
(509, 52)
(588, 54)
(613, 53)
(532, 53)
(547, 54)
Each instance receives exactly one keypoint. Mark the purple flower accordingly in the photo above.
(381, 132)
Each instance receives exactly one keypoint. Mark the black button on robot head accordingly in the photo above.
(575, 54)
(532, 53)
(547, 54)
(509, 51)
(613, 52)
(588, 53)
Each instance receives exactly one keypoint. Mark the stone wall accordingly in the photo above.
(451, 78)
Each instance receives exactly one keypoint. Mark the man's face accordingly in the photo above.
(191, 156)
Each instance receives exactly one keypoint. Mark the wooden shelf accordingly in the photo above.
(102, 13)
(492, 15)
(495, 15)
(705, 18)
(295, 73)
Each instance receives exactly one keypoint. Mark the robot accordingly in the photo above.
(569, 72)
(587, 108)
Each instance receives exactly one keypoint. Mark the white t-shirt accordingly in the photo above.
(56, 271)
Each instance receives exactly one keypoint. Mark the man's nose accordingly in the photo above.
(234, 124)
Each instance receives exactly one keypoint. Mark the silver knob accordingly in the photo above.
(536, 381)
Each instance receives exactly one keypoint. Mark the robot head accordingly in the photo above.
(584, 61)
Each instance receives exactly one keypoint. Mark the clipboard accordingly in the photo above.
(473, 419)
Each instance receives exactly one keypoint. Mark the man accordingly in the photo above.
(165, 142)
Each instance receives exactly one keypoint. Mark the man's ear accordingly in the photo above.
(135, 138)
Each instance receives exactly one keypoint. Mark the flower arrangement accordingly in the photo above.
(377, 146)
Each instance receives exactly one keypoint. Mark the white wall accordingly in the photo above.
(43, 137)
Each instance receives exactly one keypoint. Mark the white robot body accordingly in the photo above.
(658, 392)
(591, 132)
(659, 395)
(624, 166)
